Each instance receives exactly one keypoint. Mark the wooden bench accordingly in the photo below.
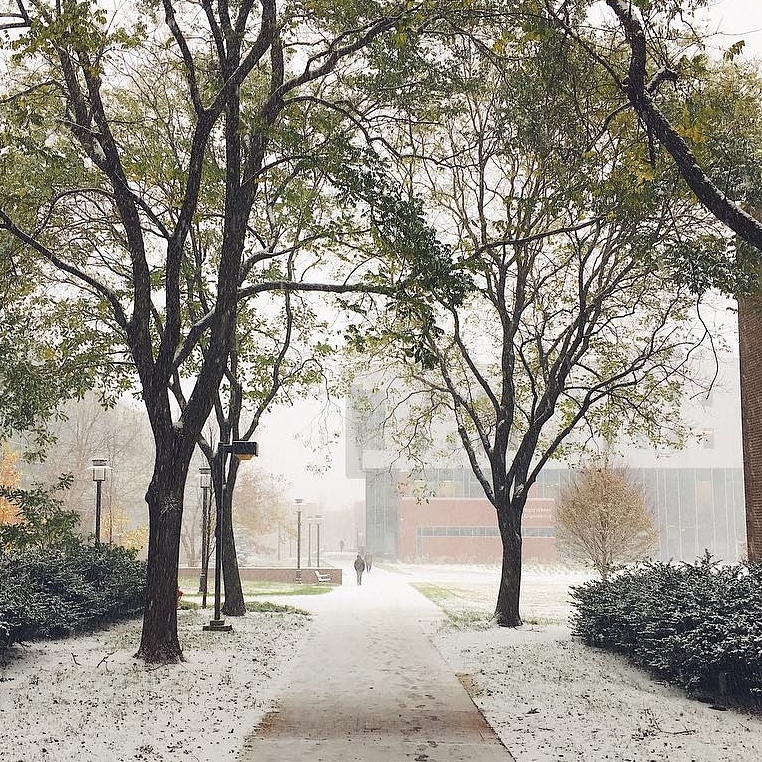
(323, 577)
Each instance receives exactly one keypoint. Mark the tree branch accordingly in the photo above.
(640, 96)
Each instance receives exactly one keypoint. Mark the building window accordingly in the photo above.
(464, 531)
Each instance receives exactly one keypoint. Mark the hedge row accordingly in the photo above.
(698, 625)
(54, 593)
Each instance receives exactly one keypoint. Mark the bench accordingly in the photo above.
(323, 577)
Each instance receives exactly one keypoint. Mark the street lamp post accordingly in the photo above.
(298, 502)
(309, 541)
(205, 482)
(318, 519)
(243, 451)
(99, 468)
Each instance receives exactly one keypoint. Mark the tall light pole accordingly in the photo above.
(318, 518)
(243, 451)
(309, 541)
(99, 468)
(205, 482)
(298, 502)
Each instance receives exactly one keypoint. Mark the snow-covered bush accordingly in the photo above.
(696, 625)
(50, 593)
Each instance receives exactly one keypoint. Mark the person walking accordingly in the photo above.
(368, 562)
(359, 565)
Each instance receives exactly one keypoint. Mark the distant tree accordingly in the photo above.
(121, 434)
(43, 521)
(116, 524)
(9, 479)
(135, 539)
(603, 518)
(190, 536)
(260, 506)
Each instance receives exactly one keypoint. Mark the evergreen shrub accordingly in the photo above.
(57, 592)
(697, 625)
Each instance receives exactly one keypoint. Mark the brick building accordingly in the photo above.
(750, 341)
(697, 494)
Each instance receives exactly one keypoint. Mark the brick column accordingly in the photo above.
(750, 356)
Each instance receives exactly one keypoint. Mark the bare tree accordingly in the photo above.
(120, 434)
(603, 518)
(261, 509)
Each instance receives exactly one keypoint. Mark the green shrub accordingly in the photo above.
(55, 592)
(695, 625)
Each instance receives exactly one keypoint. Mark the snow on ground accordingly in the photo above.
(546, 695)
(552, 699)
(88, 700)
(549, 698)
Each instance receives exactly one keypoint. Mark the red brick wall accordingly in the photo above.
(750, 337)
(273, 574)
(474, 512)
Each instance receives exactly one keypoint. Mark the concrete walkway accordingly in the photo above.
(369, 686)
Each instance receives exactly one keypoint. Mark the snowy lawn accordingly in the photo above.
(552, 699)
(546, 695)
(87, 699)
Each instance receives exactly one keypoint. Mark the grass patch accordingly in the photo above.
(274, 608)
(435, 593)
(541, 621)
(289, 589)
(458, 607)
(254, 588)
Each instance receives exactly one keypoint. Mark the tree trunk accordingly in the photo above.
(234, 604)
(507, 608)
(750, 340)
(159, 642)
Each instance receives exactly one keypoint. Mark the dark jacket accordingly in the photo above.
(359, 564)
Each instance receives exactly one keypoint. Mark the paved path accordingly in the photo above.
(369, 686)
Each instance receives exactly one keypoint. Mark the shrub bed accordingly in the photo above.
(697, 625)
(54, 592)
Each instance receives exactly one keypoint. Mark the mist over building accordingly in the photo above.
(441, 514)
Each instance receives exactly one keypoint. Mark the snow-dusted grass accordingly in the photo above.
(87, 699)
(547, 696)
(551, 699)
(251, 588)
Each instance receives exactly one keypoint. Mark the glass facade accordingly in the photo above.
(696, 509)
(381, 512)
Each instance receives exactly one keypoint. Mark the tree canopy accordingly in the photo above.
(114, 219)
(563, 314)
